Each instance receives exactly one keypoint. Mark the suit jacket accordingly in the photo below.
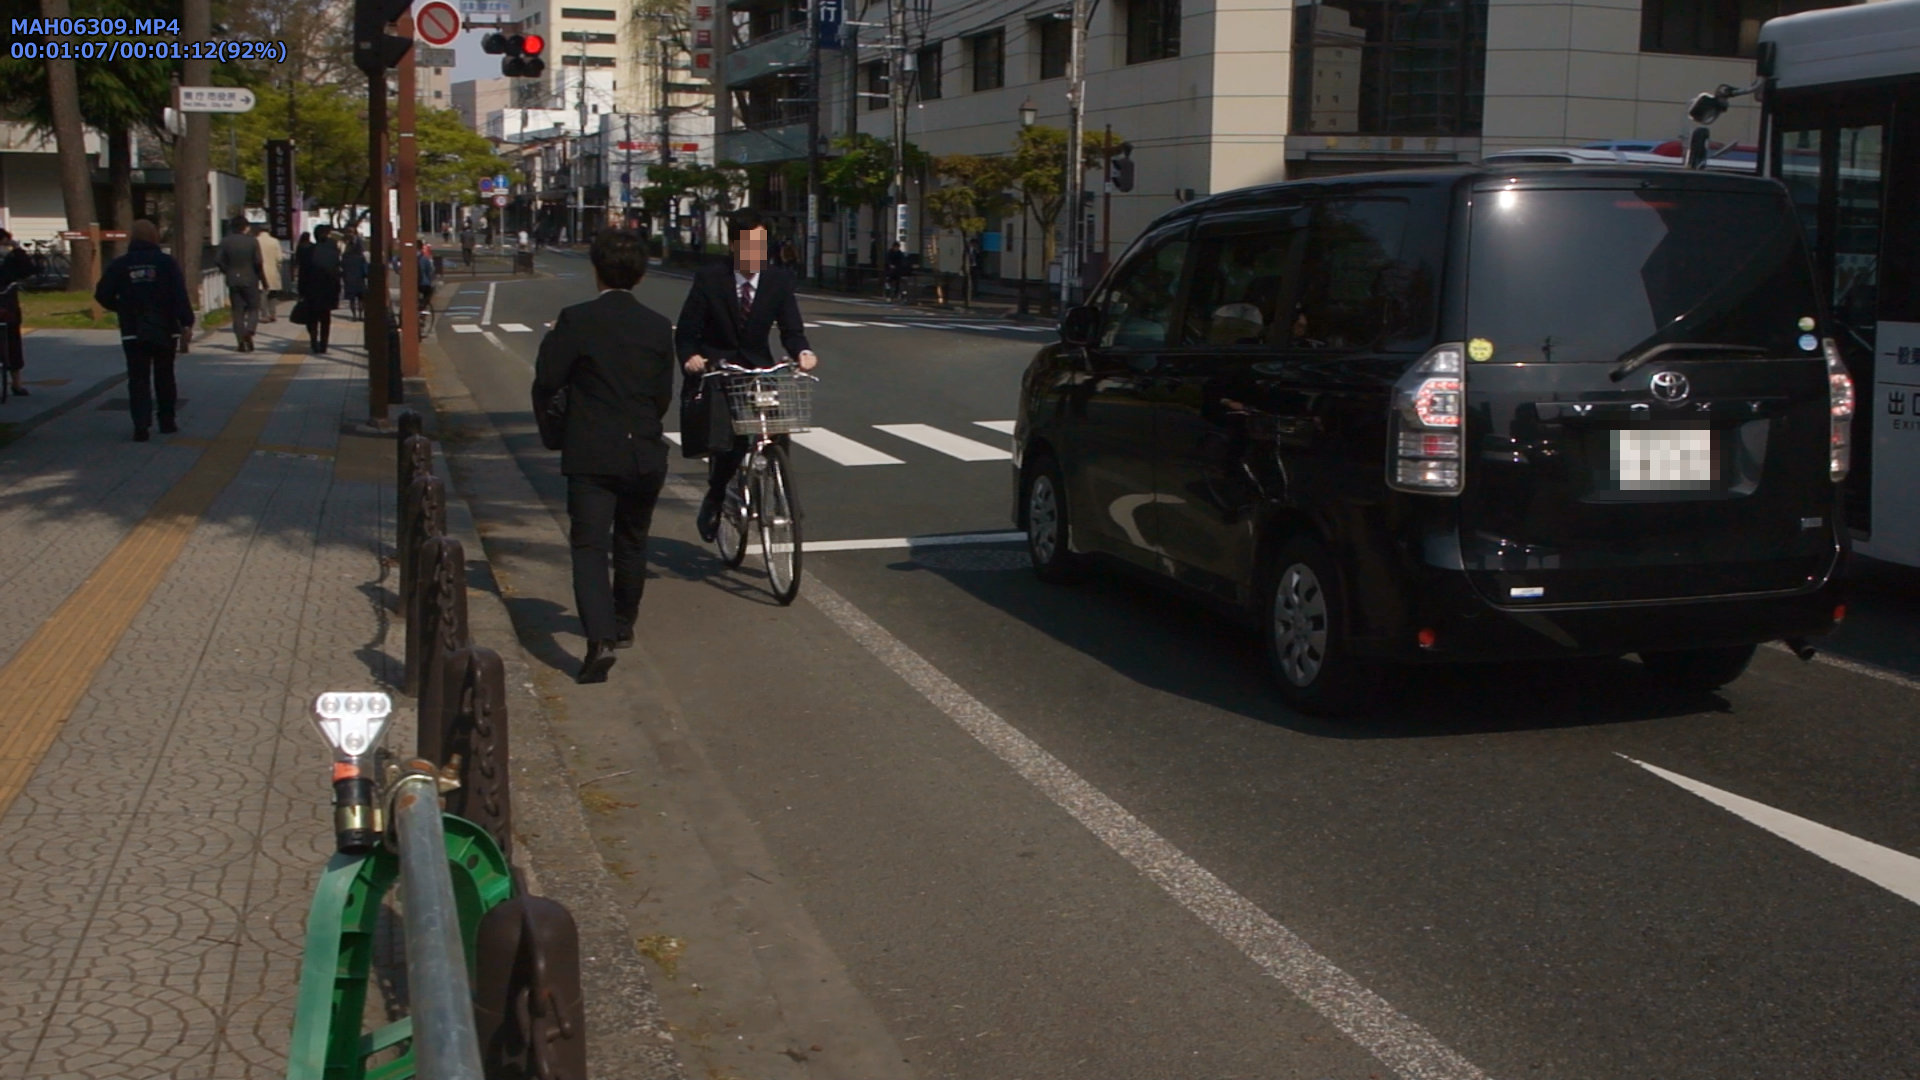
(239, 259)
(712, 324)
(615, 357)
(270, 256)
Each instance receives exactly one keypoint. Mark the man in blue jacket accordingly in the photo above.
(147, 290)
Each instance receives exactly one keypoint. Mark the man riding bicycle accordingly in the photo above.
(729, 313)
(898, 267)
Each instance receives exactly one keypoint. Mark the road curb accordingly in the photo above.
(627, 1035)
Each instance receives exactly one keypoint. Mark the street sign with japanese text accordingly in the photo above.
(215, 99)
(280, 189)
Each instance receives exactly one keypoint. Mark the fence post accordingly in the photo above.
(477, 730)
(439, 637)
(529, 1010)
(423, 519)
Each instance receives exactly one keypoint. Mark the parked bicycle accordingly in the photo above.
(765, 403)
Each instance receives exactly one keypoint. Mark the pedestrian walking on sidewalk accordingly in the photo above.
(147, 290)
(238, 258)
(320, 287)
(271, 255)
(16, 267)
(614, 358)
(353, 275)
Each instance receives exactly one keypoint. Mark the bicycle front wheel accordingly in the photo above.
(779, 528)
(731, 535)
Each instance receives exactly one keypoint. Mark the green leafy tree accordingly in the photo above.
(975, 193)
(452, 157)
(328, 125)
(1039, 163)
(861, 174)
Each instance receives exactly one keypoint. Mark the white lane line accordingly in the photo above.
(889, 325)
(841, 450)
(1004, 427)
(830, 322)
(465, 328)
(811, 325)
(516, 328)
(894, 543)
(947, 443)
(931, 325)
(1895, 871)
(495, 338)
(486, 312)
(1871, 671)
(1364, 1016)
(674, 438)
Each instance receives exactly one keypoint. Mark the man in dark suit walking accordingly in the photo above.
(614, 356)
(728, 314)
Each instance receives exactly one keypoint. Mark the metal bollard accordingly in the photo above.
(436, 630)
(476, 731)
(445, 1043)
(529, 1011)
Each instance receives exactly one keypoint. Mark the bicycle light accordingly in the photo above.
(352, 724)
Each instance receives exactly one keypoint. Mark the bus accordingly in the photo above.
(1839, 92)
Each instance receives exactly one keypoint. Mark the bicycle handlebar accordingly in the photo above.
(724, 367)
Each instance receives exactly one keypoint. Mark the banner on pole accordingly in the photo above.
(280, 202)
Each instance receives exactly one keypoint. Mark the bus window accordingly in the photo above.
(1856, 233)
(1799, 169)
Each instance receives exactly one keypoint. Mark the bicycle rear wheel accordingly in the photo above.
(779, 528)
(735, 507)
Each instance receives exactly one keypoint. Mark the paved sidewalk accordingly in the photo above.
(174, 607)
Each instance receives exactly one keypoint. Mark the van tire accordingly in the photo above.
(1308, 648)
(1043, 501)
(1698, 670)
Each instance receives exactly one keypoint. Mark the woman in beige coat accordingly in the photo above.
(270, 256)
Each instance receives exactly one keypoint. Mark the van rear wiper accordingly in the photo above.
(1631, 360)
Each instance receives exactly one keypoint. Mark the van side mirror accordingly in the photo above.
(1079, 326)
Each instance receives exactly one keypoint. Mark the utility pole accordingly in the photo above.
(1076, 113)
(852, 256)
(579, 159)
(1106, 195)
(897, 92)
(812, 230)
(190, 195)
(409, 213)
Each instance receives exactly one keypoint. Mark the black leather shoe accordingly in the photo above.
(624, 640)
(141, 435)
(168, 427)
(599, 661)
(21, 391)
(709, 520)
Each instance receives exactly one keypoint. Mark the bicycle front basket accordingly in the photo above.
(780, 402)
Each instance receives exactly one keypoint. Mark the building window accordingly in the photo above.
(591, 61)
(1153, 30)
(584, 37)
(1712, 27)
(1053, 36)
(927, 73)
(1383, 67)
(586, 13)
(989, 60)
(876, 81)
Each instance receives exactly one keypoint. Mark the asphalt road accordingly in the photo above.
(940, 820)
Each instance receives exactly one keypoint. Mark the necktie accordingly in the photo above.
(746, 297)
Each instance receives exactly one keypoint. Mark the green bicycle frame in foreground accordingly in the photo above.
(328, 1043)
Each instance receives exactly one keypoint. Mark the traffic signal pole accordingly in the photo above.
(1106, 196)
(408, 154)
(374, 322)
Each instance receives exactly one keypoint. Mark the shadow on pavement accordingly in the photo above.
(1164, 642)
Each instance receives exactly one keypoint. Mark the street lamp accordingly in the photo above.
(1027, 115)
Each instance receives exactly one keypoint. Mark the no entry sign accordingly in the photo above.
(437, 23)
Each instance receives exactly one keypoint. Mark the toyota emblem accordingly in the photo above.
(1669, 386)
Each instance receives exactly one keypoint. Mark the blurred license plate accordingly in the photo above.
(1664, 461)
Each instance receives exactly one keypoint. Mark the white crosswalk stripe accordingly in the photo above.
(831, 322)
(516, 328)
(465, 328)
(841, 450)
(1004, 427)
(946, 442)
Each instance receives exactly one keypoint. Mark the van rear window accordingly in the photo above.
(1592, 276)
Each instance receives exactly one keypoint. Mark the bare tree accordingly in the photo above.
(69, 136)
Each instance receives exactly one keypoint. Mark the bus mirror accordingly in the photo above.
(1706, 108)
(1697, 149)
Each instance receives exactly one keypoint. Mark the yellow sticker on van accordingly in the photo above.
(1480, 349)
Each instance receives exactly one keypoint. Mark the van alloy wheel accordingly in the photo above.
(1299, 625)
(1047, 525)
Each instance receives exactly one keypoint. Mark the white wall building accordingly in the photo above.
(477, 99)
(1220, 94)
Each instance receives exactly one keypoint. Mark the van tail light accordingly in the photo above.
(1840, 403)
(1429, 410)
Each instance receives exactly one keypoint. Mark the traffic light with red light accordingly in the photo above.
(522, 53)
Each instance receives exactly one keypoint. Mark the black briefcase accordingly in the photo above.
(705, 423)
(553, 421)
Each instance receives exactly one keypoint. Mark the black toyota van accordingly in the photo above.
(1472, 413)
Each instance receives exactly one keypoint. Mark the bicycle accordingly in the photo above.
(764, 403)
